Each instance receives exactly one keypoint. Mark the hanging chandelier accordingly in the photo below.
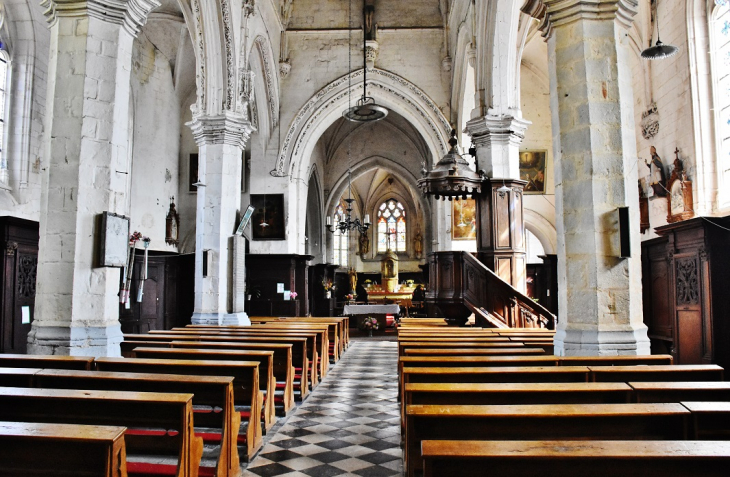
(659, 50)
(348, 223)
(451, 177)
(366, 109)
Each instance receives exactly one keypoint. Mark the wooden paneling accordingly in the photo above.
(265, 271)
(18, 288)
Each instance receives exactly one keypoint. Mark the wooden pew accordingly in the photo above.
(45, 361)
(267, 383)
(337, 325)
(485, 351)
(585, 458)
(62, 450)
(710, 420)
(408, 344)
(653, 359)
(343, 324)
(677, 372)
(245, 375)
(139, 412)
(515, 393)
(298, 349)
(540, 422)
(645, 392)
(211, 392)
(283, 365)
(313, 344)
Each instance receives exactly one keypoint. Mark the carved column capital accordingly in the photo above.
(504, 130)
(227, 128)
(131, 14)
(554, 13)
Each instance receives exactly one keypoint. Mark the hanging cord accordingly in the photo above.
(716, 225)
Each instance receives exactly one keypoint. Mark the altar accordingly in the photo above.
(379, 312)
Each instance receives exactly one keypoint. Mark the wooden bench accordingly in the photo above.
(710, 420)
(483, 351)
(267, 383)
(515, 393)
(343, 325)
(540, 422)
(246, 393)
(654, 359)
(63, 450)
(45, 361)
(210, 393)
(568, 458)
(298, 348)
(407, 344)
(336, 326)
(283, 365)
(680, 391)
(677, 372)
(313, 344)
(157, 423)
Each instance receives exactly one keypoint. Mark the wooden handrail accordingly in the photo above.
(460, 285)
(498, 302)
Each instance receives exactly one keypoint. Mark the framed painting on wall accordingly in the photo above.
(463, 219)
(268, 221)
(532, 170)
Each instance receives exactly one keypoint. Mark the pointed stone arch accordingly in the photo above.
(271, 83)
(326, 106)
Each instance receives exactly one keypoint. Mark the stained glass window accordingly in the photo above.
(721, 67)
(341, 240)
(391, 226)
(3, 88)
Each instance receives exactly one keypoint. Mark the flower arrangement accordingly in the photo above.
(350, 297)
(327, 284)
(293, 295)
(369, 323)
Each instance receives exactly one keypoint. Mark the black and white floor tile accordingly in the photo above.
(349, 425)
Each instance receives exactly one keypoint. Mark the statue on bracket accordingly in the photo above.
(657, 176)
(172, 223)
(364, 244)
(679, 200)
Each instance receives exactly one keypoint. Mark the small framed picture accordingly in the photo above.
(268, 219)
(463, 219)
(532, 170)
(114, 240)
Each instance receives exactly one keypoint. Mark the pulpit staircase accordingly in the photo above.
(461, 285)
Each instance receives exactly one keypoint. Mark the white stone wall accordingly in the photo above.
(156, 143)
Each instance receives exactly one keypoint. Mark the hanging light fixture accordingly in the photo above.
(451, 177)
(659, 50)
(366, 110)
(348, 223)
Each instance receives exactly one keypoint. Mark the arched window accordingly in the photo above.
(391, 226)
(340, 240)
(720, 31)
(3, 100)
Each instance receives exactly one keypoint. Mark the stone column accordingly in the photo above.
(600, 310)
(85, 172)
(221, 140)
(501, 223)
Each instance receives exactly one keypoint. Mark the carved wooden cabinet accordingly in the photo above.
(19, 270)
(686, 290)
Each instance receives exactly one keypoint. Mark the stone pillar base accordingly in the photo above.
(97, 341)
(575, 341)
(217, 319)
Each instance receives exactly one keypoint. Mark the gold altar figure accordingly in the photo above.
(389, 271)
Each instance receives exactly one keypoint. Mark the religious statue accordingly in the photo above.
(418, 243)
(364, 244)
(352, 274)
(369, 27)
(657, 177)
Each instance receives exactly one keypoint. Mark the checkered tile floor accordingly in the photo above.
(349, 425)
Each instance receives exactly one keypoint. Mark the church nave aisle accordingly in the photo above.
(349, 426)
